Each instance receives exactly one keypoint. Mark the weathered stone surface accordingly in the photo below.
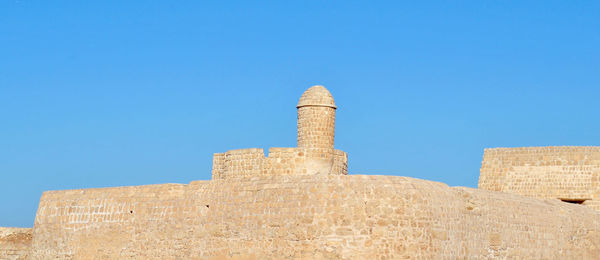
(568, 173)
(243, 163)
(352, 217)
(14, 243)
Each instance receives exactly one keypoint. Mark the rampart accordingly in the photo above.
(568, 173)
(311, 217)
(15, 243)
(252, 162)
(299, 203)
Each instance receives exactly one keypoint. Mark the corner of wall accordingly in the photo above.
(217, 168)
(340, 163)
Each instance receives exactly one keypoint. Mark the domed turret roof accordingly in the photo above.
(316, 96)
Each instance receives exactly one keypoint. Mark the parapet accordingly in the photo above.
(568, 173)
(252, 162)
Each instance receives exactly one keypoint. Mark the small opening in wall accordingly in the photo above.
(573, 201)
(131, 211)
(207, 206)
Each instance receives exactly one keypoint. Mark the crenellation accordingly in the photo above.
(315, 153)
(248, 163)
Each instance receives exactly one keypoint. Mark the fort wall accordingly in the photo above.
(299, 203)
(312, 217)
(245, 163)
(569, 173)
(15, 243)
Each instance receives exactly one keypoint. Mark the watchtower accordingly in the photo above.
(316, 119)
(314, 155)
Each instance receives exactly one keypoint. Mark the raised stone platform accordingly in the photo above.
(312, 217)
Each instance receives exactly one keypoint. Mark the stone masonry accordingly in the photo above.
(299, 203)
(310, 217)
(15, 243)
(567, 173)
(314, 155)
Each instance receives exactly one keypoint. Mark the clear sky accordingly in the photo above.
(116, 93)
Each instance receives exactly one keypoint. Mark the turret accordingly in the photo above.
(316, 119)
(314, 155)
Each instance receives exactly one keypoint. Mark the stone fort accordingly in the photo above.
(300, 203)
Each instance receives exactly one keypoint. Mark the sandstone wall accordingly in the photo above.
(569, 173)
(244, 163)
(310, 217)
(15, 243)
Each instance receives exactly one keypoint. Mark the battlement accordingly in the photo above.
(314, 155)
(252, 162)
(568, 173)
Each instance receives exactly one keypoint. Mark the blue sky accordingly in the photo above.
(116, 93)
